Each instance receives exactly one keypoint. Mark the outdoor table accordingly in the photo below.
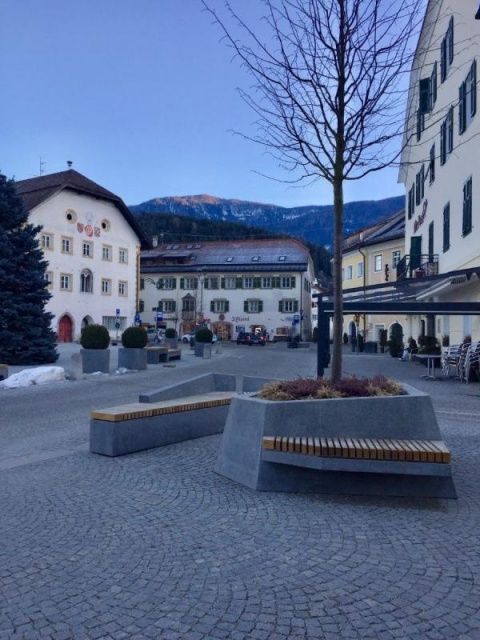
(430, 358)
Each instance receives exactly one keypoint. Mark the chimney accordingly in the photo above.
(69, 164)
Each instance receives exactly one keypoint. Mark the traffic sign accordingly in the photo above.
(117, 312)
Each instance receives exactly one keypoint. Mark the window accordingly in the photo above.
(189, 283)
(446, 137)
(165, 283)
(446, 51)
(266, 283)
(67, 245)
(288, 306)
(349, 272)
(107, 252)
(360, 269)
(71, 216)
(122, 288)
(188, 304)
(467, 99)
(167, 306)
(431, 165)
(248, 283)
(395, 258)
(86, 281)
(446, 227)
(219, 306)
(378, 263)
(229, 283)
(253, 306)
(287, 282)
(47, 241)
(65, 282)
(87, 249)
(123, 256)
(106, 286)
(211, 283)
(467, 207)
(141, 306)
(420, 185)
(49, 279)
(411, 202)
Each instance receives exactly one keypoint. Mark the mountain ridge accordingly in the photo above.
(309, 222)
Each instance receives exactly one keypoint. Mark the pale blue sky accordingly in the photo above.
(141, 96)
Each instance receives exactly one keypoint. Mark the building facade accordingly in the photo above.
(439, 165)
(92, 244)
(370, 257)
(230, 287)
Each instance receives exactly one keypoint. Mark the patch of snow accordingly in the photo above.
(38, 375)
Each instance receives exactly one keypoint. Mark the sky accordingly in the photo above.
(142, 97)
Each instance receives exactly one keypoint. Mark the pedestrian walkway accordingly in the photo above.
(155, 545)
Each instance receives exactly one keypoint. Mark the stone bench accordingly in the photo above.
(157, 355)
(194, 408)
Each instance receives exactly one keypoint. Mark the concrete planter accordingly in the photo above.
(134, 359)
(203, 350)
(407, 417)
(94, 360)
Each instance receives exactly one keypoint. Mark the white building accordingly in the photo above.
(439, 164)
(230, 286)
(91, 242)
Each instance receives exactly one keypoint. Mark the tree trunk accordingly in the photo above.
(336, 366)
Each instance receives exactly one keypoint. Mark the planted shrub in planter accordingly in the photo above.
(95, 341)
(203, 343)
(133, 355)
(171, 338)
(396, 340)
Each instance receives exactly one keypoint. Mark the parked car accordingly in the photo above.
(242, 337)
(156, 335)
(187, 337)
(255, 338)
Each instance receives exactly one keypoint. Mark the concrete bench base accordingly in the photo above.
(157, 355)
(250, 421)
(194, 408)
(3, 371)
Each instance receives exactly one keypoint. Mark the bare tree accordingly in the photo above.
(329, 92)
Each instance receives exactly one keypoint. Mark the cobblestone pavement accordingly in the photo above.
(156, 545)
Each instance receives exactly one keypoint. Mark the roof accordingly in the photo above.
(229, 255)
(390, 228)
(35, 191)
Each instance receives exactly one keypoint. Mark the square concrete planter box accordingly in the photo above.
(407, 417)
(94, 360)
(132, 358)
(203, 349)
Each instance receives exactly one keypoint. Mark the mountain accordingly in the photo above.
(311, 223)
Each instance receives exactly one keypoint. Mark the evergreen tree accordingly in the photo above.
(25, 333)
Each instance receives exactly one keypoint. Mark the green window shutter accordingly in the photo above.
(174, 283)
(245, 306)
(160, 306)
(174, 306)
(257, 283)
(276, 282)
(293, 281)
(260, 306)
(238, 283)
(195, 283)
(280, 306)
(227, 306)
(295, 306)
(222, 283)
(182, 283)
(212, 306)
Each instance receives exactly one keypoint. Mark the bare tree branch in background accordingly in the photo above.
(327, 92)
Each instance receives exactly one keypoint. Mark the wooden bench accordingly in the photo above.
(145, 425)
(362, 448)
(360, 455)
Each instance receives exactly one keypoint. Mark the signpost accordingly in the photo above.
(117, 322)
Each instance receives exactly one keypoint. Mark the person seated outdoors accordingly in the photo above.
(410, 349)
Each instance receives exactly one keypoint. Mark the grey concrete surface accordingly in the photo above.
(155, 545)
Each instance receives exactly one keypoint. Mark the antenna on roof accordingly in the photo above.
(69, 164)
(41, 165)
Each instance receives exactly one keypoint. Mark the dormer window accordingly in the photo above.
(229, 259)
(282, 258)
(255, 258)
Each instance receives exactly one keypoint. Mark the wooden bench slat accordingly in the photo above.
(363, 448)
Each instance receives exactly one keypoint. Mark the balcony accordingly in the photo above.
(417, 266)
